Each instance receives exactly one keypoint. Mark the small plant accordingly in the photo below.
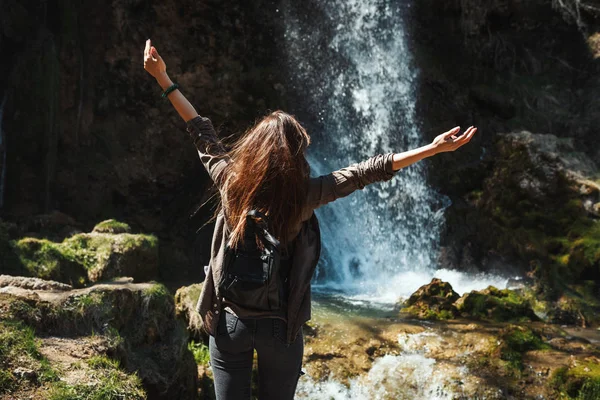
(102, 362)
(200, 352)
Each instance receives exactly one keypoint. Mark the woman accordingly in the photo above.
(267, 171)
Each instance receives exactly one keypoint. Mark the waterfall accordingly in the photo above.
(2, 152)
(350, 63)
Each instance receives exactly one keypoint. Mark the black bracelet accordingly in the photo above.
(170, 89)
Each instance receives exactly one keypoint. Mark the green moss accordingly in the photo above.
(112, 226)
(432, 314)
(48, 260)
(72, 260)
(517, 340)
(545, 226)
(158, 298)
(497, 305)
(110, 384)
(581, 382)
(200, 352)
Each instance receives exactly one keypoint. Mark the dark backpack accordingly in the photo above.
(253, 277)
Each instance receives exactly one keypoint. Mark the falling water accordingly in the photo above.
(350, 64)
(2, 152)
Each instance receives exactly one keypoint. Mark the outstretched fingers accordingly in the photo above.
(451, 133)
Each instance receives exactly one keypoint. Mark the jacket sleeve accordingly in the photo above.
(341, 183)
(210, 149)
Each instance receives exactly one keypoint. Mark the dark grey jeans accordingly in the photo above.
(232, 352)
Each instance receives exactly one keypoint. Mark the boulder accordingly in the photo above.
(138, 321)
(495, 304)
(432, 301)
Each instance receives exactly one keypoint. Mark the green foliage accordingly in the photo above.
(102, 362)
(7, 381)
(200, 352)
(111, 384)
(18, 348)
(16, 339)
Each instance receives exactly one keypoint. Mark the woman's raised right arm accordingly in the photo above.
(155, 65)
(210, 149)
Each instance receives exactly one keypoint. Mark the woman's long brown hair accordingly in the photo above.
(268, 173)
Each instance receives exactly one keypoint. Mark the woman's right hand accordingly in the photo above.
(153, 62)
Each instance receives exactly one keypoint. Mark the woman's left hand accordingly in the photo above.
(153, 62)
(451, 140)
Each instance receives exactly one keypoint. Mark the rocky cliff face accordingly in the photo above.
(509, 66)
(86, 131)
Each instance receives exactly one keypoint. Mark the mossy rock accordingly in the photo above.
(89, 257)
(111, 226)
(534, 209)
(186, 299)
(434, 301)
(579, 382)
(44, 259)
(515, 341)
(106, 256)
(578, 305)
(495, 304)
(139, 318)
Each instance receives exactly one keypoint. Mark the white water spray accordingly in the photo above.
(350, 62)
(353, 62)
(413, 374)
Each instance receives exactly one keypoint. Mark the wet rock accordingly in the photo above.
(496, 305)
(432, 301)
(186, 299)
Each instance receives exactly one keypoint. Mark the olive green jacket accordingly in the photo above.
(307, 248)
